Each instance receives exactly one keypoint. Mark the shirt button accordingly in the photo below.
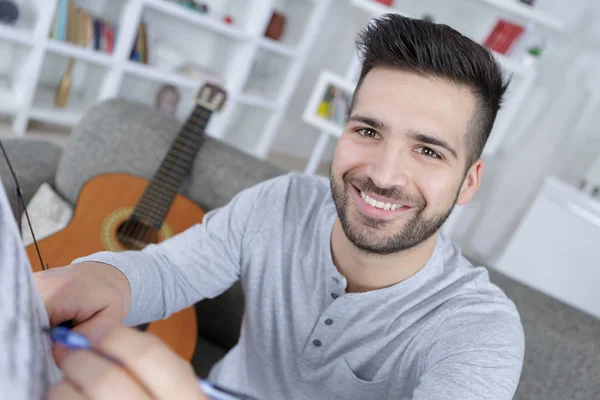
(317, 343)
(328, 321)
(335, 296)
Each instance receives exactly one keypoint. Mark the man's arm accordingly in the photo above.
(477, 353)
(201, 262)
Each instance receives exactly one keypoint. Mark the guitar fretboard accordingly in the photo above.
(154, 205)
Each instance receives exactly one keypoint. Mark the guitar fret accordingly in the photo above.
(155, 191)
(189, 135)
(195, 138)
(164, 177)
(155, 206)
(166, 173)
(178, 146)
(202, 119)
(174, 157)
(174, 163)
(161, 199)
(199, 126)
(161, 182)
(152, 202)
(158, 195)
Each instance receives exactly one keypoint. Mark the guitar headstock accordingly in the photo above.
(211, 96)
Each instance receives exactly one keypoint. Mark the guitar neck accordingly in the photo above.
(160, 193)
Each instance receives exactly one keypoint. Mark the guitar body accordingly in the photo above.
(105, 203)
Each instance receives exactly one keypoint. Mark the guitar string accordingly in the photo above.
(203, 115)
(22, 200)
(132, 227)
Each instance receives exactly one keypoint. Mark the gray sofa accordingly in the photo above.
(563, 344)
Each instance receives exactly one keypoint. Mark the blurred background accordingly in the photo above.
(289, 67)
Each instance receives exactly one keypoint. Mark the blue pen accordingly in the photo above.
(76, 341)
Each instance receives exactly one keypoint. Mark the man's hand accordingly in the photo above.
(138, 366)
(94, 296)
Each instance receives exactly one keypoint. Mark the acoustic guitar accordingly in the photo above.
(119, 211)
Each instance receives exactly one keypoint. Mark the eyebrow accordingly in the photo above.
(432, 140)
(372, 122)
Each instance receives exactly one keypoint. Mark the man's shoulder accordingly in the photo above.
(475, 296)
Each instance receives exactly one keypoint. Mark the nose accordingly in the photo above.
(389, 168)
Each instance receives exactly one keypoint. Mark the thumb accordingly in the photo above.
(94, 328)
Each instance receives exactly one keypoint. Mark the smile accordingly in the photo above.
(375, 206)
(379, 204)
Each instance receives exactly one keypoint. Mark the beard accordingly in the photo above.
(368, 233)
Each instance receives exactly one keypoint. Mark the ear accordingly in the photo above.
(471, 183)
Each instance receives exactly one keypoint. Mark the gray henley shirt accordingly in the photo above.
(446, 332)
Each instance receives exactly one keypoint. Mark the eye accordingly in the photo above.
(429, 153)
(367, 132)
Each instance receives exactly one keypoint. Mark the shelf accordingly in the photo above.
(278, 48)
(247, 123)
(525, 11)
(44, 111)
(158, 76)
(522, 67)
(8, 101)
(375, 9)
(267, 75)
(145, 89)
(86, 80)
(296, 13)
(14, 75)
(512, 7)
(310, 116)
(177, 11)
(80, 53)
(257, 101)
(16, 35)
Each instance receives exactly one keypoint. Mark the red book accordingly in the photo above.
(503, 36)
(110, 39)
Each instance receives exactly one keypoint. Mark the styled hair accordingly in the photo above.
(438, 51)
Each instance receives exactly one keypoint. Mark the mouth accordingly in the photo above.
(377, 206)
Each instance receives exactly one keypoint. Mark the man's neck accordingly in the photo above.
(365, 272)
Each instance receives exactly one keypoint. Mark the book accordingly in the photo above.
(503, 35)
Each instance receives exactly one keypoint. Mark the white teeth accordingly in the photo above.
(379, 204)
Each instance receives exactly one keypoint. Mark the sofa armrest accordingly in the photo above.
(34, 162)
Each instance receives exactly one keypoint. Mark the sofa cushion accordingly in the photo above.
(118, 135)
(34, 161)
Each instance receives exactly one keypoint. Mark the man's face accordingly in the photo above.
(399, 166)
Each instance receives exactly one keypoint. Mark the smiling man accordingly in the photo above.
(351, 292)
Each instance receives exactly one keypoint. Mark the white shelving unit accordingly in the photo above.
(259, 74)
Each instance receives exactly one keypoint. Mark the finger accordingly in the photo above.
(167, 375)
(52, 286)
(97, 325)
(99, 379)
(64, 391)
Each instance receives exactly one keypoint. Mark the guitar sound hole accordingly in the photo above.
(133, 234)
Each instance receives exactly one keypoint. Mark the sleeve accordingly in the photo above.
(477, 353)
(201, 262)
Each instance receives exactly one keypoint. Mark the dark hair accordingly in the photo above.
(437, 50)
